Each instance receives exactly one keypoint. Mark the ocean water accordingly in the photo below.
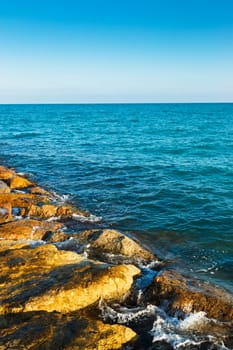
(162, 172)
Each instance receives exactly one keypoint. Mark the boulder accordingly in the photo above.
(54, 331)
(181, 293)
(28, 229)
(6, 173)
(40, 191)
(4, 188)
(5, 212)
(113, 242)
(51, 210)
(21, 200)
(19, 182)
(48, 279)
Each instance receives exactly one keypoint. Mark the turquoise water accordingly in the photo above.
(160, 171)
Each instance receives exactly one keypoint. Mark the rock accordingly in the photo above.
(182, 293)
(5, 212)
(114, 242)
(20, 182)
(54, 331)
(4, 188)
(50, 210)
(21, 200)
(40, 191)
(28, 229)
(48, 279)
(6, 174)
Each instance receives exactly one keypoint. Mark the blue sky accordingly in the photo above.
(67, 51)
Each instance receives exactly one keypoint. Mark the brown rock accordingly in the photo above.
(19, 182)
(5, 212)
(48, 279)
(50, 210)
(21, 200)
(54, 331)
(114, 242)
(4, 188)
(28, 229)
(189, 295)
(41, 191)
(6, 173)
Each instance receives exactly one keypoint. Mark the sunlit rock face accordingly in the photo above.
(45, 278)
(43, 330)
(19, 182)
(179, 292)
(116, 243)
(4, 188)
(6, 173)
(28, 229)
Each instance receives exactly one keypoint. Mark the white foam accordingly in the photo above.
(91, 218)
(124, 315)
(181, 333)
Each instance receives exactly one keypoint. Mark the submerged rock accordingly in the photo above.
(28, 229)
(54, 331)
(180, 293)
(45, 278)
(113, 242)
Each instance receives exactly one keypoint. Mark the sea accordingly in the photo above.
(162, 173)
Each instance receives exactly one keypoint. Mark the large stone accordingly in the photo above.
(6, 173)
(181, 293)
(44, 278)
(4, 188)
(51, 210)
(114, 242)
(21, 200)
(28, 229)
(5, 212)
(54, 331)
(19, 182)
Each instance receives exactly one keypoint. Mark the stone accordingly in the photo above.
(5, 212)
(6, 173)
(21, 200)
(51, 210)
(19, 182)
(28, 229)
(181, 293)
(47, 279)
(4, 188)
(40, 191)
(114, 242)
(53, 331)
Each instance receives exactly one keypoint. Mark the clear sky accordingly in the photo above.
(116, 51)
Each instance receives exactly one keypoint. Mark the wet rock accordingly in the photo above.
(40, 191)
(28, 229)
(44, 278)
(6, 173)
(4, 188)
(114, 242)
(54, 331)
(19, 182)
(180, 293)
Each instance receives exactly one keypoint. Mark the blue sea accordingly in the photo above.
(161, 172)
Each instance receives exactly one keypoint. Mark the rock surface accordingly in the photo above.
(19, 182)
(45, 278)
(4, 188)
(179, 292)
(114, 242)
(28, 229)
(54, 331)
(6, 173)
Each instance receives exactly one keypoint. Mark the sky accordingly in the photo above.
(89, 51)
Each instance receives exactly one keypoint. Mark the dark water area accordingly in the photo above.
(162, 172)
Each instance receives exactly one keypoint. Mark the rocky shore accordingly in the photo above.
(94, 288)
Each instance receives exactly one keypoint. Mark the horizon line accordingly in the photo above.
(112, 103)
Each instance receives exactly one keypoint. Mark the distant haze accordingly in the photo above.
(76, 51)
